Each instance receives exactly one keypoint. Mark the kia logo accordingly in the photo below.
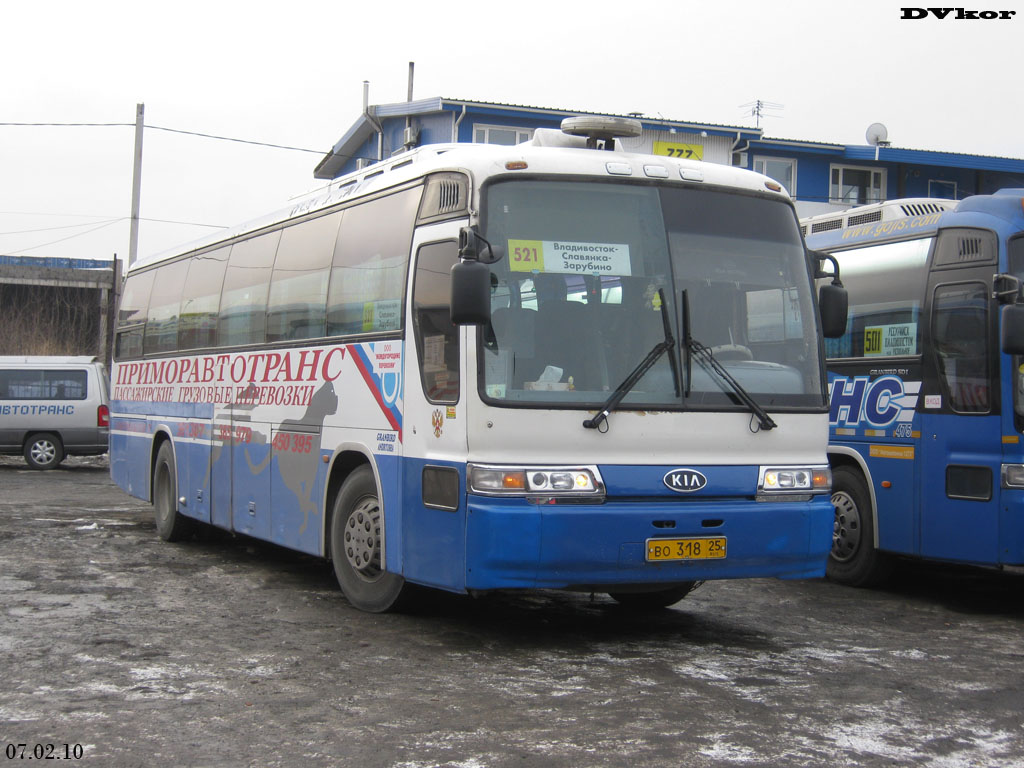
(684, 480)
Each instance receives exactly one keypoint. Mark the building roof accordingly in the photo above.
(890, 154)
(367, 124)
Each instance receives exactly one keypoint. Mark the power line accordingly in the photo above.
(112, 221)
(51, 229)
(43, 213)
(240, 141)
(184, 223)
(168, 130)
(69, 125)
(109, 220)
(70, 237)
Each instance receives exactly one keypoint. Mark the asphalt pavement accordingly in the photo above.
(117, 649)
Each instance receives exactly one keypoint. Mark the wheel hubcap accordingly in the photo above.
(362, 539)
(43, 452)
(846, 530)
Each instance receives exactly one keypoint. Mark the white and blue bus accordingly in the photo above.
(927, 385)
(632, 398)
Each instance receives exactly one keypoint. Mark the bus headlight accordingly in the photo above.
(794, 480)
(1013, 475)
(489, 480)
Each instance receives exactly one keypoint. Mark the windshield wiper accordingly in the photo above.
(666, 345)
(708, 362)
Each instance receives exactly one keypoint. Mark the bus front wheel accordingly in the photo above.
(356, 547)
(854, 560)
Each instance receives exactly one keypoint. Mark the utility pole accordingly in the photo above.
(133, 245)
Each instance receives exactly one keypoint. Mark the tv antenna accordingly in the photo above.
(760, 108)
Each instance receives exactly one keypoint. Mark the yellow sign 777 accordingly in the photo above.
(687, 151)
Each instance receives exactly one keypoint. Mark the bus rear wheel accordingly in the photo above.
(356, 547)
(854, 560)
(171, 525)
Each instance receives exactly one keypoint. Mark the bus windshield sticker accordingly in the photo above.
(382, 315)
(557, 257)
(890, 340)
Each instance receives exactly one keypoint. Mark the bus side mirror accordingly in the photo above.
(471, 293)
(833, 303)
(1011, 331)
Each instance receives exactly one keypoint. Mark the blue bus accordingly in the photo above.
(471, 367)
(927, 384)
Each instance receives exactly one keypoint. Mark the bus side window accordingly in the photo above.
(200, 300)
(161, 333)
(437, 340)
(371, 258)
(960, 336)
(243, 303)
(131, 315)
(297, 304)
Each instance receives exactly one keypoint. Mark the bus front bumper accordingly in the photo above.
(511, 543)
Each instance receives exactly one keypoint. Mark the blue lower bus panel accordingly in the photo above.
(513, 543)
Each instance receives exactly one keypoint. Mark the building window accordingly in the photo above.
(781, 169)
(945, 190)
(496, 134)
(857, 186)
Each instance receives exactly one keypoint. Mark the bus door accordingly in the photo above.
(960, 425)
(434, 428)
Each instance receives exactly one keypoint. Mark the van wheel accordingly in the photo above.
(356, 547)
(854, 559)
(170, 524)
(44, 450)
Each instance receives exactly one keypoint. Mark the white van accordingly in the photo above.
(52, 407)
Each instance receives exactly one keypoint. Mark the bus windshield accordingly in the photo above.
(577, 300)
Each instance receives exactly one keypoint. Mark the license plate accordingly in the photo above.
(711, 548)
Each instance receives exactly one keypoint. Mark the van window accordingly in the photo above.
(43, 385)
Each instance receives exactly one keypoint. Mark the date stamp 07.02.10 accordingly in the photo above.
(25, 751)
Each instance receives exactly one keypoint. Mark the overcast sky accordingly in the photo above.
(291, 73)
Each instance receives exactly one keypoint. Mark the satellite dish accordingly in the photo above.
(877, 135)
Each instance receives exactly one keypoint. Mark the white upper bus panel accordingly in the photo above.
(485, 161)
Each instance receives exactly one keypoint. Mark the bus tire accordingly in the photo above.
(43, 450)
(171, 525)
(649, 601)
(854, 560)
(356, 547)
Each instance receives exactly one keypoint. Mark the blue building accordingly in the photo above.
(821, 176)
